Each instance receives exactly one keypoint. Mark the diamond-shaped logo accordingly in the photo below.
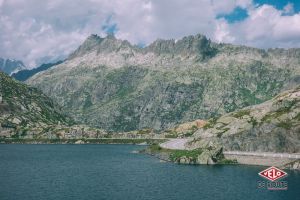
(272, 173)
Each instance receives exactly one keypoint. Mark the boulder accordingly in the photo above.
(79, 142)
(200, 123)
(203, 157)
(211, 155)
(295, 165)
(16, 121)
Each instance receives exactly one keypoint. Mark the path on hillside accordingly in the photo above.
(263, 154)
(179, 144)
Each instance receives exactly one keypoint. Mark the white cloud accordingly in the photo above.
(287, 28)
(222, 32)
(36, 31)
(266, 27)
(244, 3)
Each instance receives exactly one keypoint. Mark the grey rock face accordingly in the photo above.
(295, 165)
(273, 126)
(197, 45)
(114, 85)
(210, 156)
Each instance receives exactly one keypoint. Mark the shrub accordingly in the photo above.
(253, 121)
(228, 161)
(241, 113)
(192, 154)
(286, 125)
(210, 124)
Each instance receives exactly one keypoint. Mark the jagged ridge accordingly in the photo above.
(114, 85)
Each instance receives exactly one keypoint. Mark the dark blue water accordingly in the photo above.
(37, 172)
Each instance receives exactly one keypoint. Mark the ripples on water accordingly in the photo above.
(38, 172)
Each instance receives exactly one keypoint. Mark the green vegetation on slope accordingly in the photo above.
(25, 107)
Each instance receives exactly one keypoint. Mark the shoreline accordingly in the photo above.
(136, 141)
(291, 165)
(227, 159)
(161, 155)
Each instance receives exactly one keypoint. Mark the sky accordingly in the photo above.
(39, 31)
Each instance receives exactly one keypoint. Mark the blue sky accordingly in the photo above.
(279, 4)
(36, 31)
(239, 14)
(109, 27)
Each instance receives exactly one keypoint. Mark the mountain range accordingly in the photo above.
(114, 85)
(10, 66)
(25, 74)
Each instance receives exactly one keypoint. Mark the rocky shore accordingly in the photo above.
(217, 157)
(208, 156)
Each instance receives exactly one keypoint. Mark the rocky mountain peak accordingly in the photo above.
(111, 36)
(93, 39)
(193, 45)
(112, 44)
(197, 46)
(101, 45)
(194, 42)
(160, 46)
(88, 45)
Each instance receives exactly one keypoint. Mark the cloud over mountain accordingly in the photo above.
(42, 31)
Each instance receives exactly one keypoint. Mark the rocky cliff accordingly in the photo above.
(273, 126)
(111, 84)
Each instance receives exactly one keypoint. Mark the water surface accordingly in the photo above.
(112, 172)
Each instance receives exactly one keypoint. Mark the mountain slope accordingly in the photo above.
(11, 66)
(273, 126)
(25, 74)
(112, 84)
(23, 107)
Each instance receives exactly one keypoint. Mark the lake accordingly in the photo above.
(113, 172)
